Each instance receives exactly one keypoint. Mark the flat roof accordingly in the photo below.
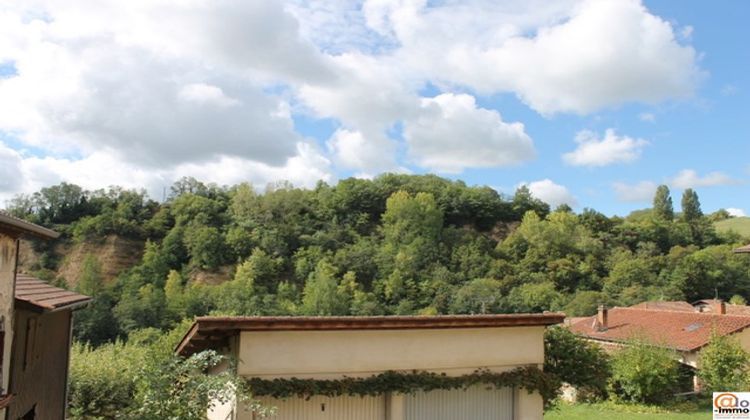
(37, 295)
(20, 226)
(210, 330)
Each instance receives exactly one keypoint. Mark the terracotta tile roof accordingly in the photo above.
(743, 250)
(43, 296)
(20, 226)
(665, 306)
(684, 331)
(207, 331)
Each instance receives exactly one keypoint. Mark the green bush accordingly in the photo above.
(102, 381)
(143, 379)
(724, 365)
(643, 373)
(576, 361)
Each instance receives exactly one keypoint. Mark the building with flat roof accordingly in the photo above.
(333, 348)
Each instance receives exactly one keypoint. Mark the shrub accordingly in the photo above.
(643, 373)
(144, 379)
(102, 380)
(576, 361)
(724, 365)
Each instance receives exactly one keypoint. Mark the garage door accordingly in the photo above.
(476, 403)
(325, 408)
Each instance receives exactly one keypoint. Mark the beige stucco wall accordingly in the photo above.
(8, 254)
(328, 354)
(332, 354)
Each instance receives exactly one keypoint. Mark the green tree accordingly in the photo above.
(174, 294)
(691, 206)
(737, 300)
(663, 208)
(644, 373)
(479, 296)
(586, 302)
(321, 295)
(723, 365)
(534, 297)
(91, 281)
(576, 361)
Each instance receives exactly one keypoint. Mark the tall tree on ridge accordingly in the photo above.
(691, 206)
(663, 204)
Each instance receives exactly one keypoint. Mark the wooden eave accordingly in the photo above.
(212, 332)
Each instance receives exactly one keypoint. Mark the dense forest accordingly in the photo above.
(398, 244)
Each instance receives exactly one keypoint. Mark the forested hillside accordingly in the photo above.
(394, 245)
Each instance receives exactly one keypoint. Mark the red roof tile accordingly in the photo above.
(658, 305)
(44, 296)
(685, 331)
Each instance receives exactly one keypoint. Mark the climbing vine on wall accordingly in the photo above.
(529, 378)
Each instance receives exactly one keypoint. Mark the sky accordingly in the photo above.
(592, 103)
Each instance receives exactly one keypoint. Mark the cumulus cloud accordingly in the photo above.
(688, 178)
(733, 211)
(162, 86)
(352, 150)
(452, 133)
(593, 54)
(641, 191)
(595, 151)
(10, 162)
(101, 169)
(551, 193)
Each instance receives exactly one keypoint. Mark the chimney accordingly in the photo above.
(720, 308)
(601, 318)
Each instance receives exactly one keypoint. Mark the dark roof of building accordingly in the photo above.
(21, 226)
(743, 250)
(679, 330)
(210, 331)
(38, 295)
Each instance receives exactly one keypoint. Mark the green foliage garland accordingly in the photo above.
(528, 377)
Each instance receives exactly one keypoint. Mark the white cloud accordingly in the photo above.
(101, 169)
(647, 117)
(641, 191)
(452, 133)
(202, 93)
(729, 90)
(165, 86)
(688, 178)
(611, 149)
(595, 54)
(352, 150)
(736, 212)
(10, 162)
(551, 193)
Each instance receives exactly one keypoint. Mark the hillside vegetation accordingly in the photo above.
(739, 225)
(397, 244)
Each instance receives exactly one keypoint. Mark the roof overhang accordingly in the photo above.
(38, 296)
(742, 250)
(19, 227)
(211, 331)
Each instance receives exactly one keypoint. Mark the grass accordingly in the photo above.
(740, 225)
(612, 411)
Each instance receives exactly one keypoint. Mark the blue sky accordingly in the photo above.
(592, 103)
